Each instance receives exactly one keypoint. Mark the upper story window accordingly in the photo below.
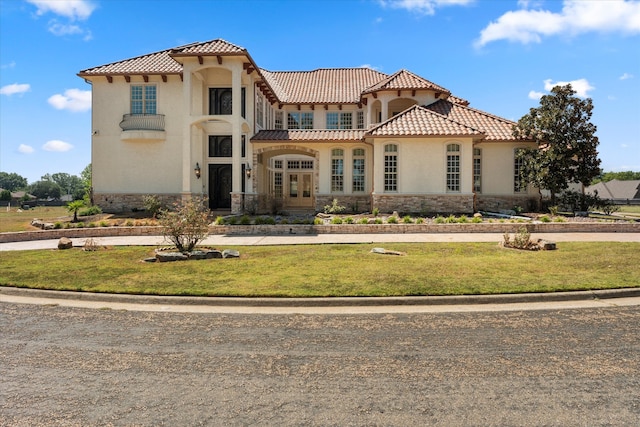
(477, 170)
(259, 110)
(337, 170)
(339, 120)
(453, 168)
(220, 101)
(143, 99)
(279, 120)
(358, 170)
(299, 120)
(391, 167)
(360, 119)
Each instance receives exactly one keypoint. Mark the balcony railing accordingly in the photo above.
(142, 122)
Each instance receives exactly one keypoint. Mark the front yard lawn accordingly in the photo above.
(332, 270)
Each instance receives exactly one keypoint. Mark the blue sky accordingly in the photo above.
(500, 55)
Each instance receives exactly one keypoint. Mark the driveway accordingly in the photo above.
(71, 366)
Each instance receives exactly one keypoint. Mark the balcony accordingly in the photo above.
(142, 122)
(142, 127)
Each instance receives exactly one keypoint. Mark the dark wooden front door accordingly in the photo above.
(220, 187)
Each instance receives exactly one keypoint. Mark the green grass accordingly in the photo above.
(21, 221)
(333, 270)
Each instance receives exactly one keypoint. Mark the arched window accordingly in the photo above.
(357, 184)
(453, 168)
(337, 170)
(391, 167)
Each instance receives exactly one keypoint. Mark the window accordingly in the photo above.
(358, 170)
(277, 184)
(360, 119)
(259, 110)
(339, 120)
(279, 120)
(220, 146)
(518, 164)
(243, 148)
(453, 168)
(143, 99)
(391, 167)
(337, 170)
(300, 121)
(477, 170)
(220, 101)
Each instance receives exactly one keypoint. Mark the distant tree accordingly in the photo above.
(12, 181)
(45, 189)
(5, 195)
(566, 143)
(86, 176)
(621, 176)
(69, 184)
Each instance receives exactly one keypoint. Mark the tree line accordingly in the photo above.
(50, 186)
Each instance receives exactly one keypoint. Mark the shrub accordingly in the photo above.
(232, 220)
(376, 211)
(152, 204)
(219, 221)
(91, 210)
(544, 218)
(186, 225)
(334, 208)
(264, 220)
(245, 220)
(80, 225)
(439, 220)
(378, 221)
(336, 220)
(463, 219)
(318, 221)
(553, 210)
(104, 224)
(451, 219)
(407, 219)
(392, 219)
(558, 219)
(5, 195)
(476, 220)
(521, 240)
(129, 223)
(349, 220)
(91, 225)
(420, 221)
(57, 225)
(363, 221)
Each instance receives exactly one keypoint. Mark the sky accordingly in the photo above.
(500, 55)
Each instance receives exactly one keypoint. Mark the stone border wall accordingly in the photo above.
(565, 227)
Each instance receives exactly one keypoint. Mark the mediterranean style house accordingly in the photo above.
(205, 120)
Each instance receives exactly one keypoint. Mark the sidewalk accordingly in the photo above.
(319, 239)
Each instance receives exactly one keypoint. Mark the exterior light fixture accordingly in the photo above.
(248, 170)
(197, 170)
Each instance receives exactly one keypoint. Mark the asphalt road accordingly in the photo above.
(65, 366)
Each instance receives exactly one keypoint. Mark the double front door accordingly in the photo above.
(299, 185)
(220, 186)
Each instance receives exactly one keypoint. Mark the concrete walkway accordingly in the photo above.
(311, 239)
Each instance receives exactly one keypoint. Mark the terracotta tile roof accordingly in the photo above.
(212, 47)
(419, 121)
(495, 128)
(404, 79)
(152, 63)
(458, 100)
(323, 86)
(309, 135)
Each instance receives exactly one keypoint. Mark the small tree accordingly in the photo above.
(74, 207)
(186, 225)
(567, 145)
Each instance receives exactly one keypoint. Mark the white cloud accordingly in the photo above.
(58, 29)
(57, 145)
(577, 16)
(11, 64)
(425, 7)
(15, 88)
(626, 76)
(25, 149)
(581, 86)
(72, 9)
(73, 100)
(535, 95)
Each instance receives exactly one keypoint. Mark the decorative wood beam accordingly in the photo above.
(219, 59)
(279, 106)
(399, 91)
(413, 92)
(145, 78)
(110, 79)
(375, 95)
(299, 107)
(359, 104)
(200, 59)
(438, 95)
(365, 100)
(127, 78)
(313, 107)
(340, 107)
(326, 106)
(181, 77)
(164, 78)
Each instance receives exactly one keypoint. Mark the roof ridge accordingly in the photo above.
(132, 59)
(401, 115)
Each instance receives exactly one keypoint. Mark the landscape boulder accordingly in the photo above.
(65, 243)
(230, 253)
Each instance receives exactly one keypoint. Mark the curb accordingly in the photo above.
(326, 302)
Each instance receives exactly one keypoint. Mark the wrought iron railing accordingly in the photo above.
(142, 122)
